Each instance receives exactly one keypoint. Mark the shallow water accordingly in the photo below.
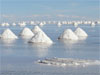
(18, 56)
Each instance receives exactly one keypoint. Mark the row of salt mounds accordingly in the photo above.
(5, 24)
(68, 62)
(68, 34)
(26, 32)
(40, 36)
(8, 34)
(80, 32)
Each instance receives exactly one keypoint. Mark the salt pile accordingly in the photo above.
(7, 24)
(93, 24)
(68, 34)
(98, 22)
(32, 23)
(68, 62)
(59, 24)
(26, 32)
(3, 24)
(41, 37)
(8, 34)
(80, 32)
(42, 24)
(75, 24)
(14, 24)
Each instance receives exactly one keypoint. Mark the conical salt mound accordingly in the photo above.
(26, 32)
(36, 29)
(41, 37)
(68, 34)
(80, 32)
(8, 34)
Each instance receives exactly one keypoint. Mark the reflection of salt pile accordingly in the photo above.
(8, 42)
(68, 62)
(40, 36)
(26, 32)
(68, 34)
(80, 32)
(41, 49)
(8, 34)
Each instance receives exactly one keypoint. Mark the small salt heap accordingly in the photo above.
(68, 34)
(14, 24)
(40, 36)
(93, 24)
(98, 22)
(59, 24)
(26, 32)
(75, 24)
(42, 24)
(80, 32)
(8, 34)
(7, 24)
(32, 23)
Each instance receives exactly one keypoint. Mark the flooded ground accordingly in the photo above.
(18, 56)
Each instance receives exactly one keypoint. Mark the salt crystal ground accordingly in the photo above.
(18, 56)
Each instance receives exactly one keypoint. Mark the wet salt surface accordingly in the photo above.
(64, 62)
(18, 56)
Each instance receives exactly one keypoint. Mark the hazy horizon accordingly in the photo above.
(13, 10)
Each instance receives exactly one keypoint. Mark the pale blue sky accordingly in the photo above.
(87, 8)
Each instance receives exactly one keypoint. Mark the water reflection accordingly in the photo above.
(68, 44)
(41, 49)
(8, 42)
(82, 38)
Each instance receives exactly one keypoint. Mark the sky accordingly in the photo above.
(50, 8)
